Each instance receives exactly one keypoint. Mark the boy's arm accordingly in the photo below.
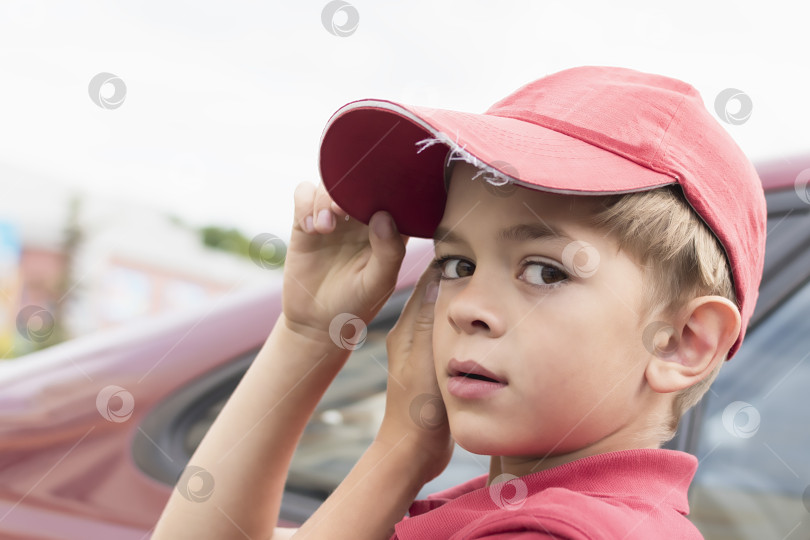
(413, 445)
(335, 268)
(247, 450)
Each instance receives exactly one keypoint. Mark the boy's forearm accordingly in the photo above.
(374, 496)
(246, 453)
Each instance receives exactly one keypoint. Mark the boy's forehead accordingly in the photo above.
(515, 211)
(518, 232)
(511, 214)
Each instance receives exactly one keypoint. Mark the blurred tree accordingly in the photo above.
(228, 239)
(72, 237)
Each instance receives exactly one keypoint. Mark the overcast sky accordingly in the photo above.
(225, 101)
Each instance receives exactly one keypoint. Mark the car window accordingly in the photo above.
(345, 421)
(754, 444)
(343, 425)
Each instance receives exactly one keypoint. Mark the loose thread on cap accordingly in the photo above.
(458, 152)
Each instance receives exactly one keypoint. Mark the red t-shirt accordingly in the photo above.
(630, 494)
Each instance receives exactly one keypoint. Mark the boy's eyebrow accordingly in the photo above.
(515, 233)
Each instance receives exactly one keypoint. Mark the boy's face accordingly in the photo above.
(554, 319)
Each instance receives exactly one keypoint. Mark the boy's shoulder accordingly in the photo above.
(627, 494)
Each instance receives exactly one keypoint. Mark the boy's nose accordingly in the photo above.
(477, 306)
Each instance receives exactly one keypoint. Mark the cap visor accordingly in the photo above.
(369, 160)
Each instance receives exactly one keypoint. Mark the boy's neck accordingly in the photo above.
(523, 465)
(643, 432)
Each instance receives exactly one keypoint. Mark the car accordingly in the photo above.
(97, 431)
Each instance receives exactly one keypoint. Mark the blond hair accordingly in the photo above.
(681, 258)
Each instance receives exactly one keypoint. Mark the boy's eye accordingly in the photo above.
(543, 274)
(453, 268)
(535, 272)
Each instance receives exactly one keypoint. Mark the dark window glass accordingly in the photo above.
(754, 447)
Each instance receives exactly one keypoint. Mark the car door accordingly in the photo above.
(753, 433)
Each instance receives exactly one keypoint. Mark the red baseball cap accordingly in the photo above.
(590, 130)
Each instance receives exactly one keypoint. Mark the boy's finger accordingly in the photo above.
(424, 291)
(323, 214)
(304, 197)
(423, 320)
(416, 320)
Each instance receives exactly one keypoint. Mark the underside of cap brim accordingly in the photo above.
(370, 160)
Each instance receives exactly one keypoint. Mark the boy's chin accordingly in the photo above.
(485, 443)
(492, 449)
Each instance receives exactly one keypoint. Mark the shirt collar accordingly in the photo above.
(661, 476)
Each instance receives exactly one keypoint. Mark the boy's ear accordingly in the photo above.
(687, 351)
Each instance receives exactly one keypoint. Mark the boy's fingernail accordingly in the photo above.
(431, 292)
(308, 226)
(383, 227)
(325, 219)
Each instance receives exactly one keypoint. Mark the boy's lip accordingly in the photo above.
(473, 370)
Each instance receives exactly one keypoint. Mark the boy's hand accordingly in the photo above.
(413, 444)
(338, 265)
(414, 411)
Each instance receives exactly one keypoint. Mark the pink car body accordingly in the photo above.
(66, 471)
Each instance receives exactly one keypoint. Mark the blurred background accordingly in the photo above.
(144, 145)
(149, 152)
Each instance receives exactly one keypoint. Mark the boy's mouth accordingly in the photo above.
(478, 377)
(471, 381)
(469, 369)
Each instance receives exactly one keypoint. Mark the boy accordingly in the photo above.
(599, 243)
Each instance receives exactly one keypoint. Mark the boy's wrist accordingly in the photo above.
(307, 335)
(298, 347)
